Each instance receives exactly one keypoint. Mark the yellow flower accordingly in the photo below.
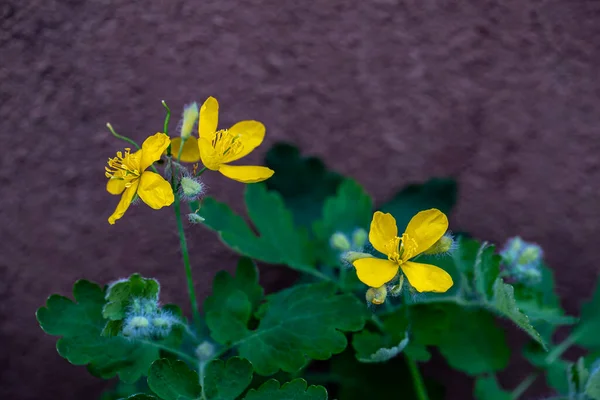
(423, 230)
(219, 148)
(127, 175)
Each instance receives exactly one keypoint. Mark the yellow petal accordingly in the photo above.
(250, 134)
(426, 228)
(190, 151)
(246, 173)
(426, 277)
(383, 231)
(115, 186)
(124, 202)
(155, 191)
(153, 148)
(209, 118)
(208, 155)
(375, 272)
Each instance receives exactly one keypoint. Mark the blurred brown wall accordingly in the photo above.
(504, 95)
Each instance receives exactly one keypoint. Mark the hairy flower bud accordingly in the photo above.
(443, 246)
(190, 116)
(190, 188)
(339, 241)
(195, 218)
(523, 261)
(205, 351)
(351, 256)
(376, 295)
(359, 238)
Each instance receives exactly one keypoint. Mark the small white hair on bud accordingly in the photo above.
(189, 120)
(190, 188)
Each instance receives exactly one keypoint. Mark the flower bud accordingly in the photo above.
(190, 188)
(376, 295)
(205, 351)
(339, 241)
(195, 218)
(359, 238)
(190, 116)
(523, 260)
(444, 245)
(351, 256)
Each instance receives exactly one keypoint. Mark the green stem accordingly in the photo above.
(167, 118)
(420, 390)
(125, 138)
(180, 354)
(561, 348)
(523, 386)
(201, 365)
(166, 124)
(201, 171)
(186, 263)
(552, 356)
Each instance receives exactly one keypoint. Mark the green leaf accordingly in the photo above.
(373, 347)
(542, 305)
(577, 377)
(120, 294)
(294, 390)
(173, 380)
(80, 324)
(469, 339)
(229, 308)
(440, 193)
(349, 209)
(474, 343)
(592, 387)
(586, 331)
(298, 324)
(142, 396)
(226, 381)
(504, 303)
(487, 388)
(278, 241)
(303, 182)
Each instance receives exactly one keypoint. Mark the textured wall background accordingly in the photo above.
(504, 95)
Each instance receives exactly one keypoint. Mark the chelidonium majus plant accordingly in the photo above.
(379, 287)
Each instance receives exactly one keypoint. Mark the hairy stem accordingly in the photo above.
(186, 263)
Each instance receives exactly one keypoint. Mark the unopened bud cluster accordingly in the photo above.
(523, 261)
(144, 319)
(350, 248)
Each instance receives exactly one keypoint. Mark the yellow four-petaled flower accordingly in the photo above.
(217, 148)
(423, 230)
(128, 176)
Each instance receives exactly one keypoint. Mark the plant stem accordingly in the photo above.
(125, 138)
(523, 386)
(550, 358)
(171, 350)
(186, 263)
(561, 348)
(200, 172)
(420, 390)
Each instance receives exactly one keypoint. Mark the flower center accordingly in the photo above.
(123, 166)
(226, 144)
(401, 249)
